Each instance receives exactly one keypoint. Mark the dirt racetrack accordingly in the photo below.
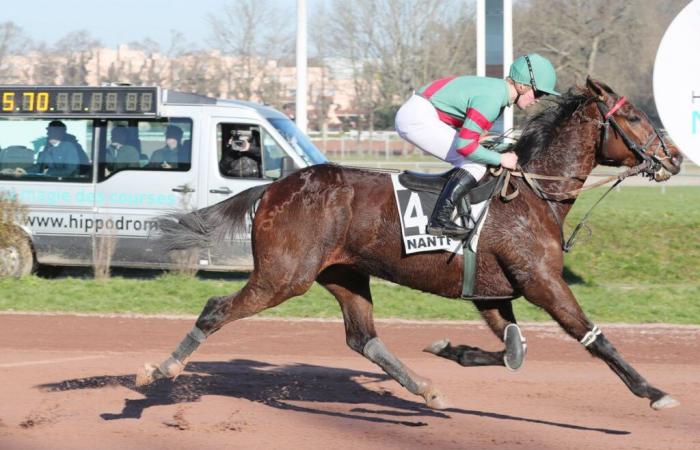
(66, 382)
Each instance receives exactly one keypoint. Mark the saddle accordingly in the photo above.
(488, 186)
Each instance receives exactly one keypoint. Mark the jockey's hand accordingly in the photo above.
(509, 160)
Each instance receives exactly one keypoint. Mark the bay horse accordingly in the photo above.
(338, 226)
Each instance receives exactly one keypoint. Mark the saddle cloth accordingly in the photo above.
(415, 208)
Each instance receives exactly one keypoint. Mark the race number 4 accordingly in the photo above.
(414, 216)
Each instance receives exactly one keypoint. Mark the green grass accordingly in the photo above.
(640, 266)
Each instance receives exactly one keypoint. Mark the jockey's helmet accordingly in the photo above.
(536, 71)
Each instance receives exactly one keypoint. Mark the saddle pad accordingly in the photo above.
(414, 210)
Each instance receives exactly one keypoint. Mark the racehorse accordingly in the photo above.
(339, 226)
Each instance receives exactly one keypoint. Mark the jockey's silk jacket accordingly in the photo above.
(470, 104)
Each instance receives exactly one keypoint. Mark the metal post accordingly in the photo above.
(481, 38)
(507, 55)
(301, 108)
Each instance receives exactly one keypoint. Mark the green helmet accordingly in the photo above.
(536, 71)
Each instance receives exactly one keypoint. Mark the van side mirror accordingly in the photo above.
(288, 166)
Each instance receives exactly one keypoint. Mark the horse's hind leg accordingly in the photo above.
(499, 316)
(351, 288)
(258, 294)
(552, 293)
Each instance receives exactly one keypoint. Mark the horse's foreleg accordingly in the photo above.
(556, 298)
(351, 289)
(501, 320)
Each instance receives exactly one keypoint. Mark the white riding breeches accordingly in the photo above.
(417, 122)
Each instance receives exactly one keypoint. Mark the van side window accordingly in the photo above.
(249, 151)
(276, 161)
(46, 150)
(161, 145)
(239, 150)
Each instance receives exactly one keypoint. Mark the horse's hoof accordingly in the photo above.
(434, 399)
(436, 347)
(146, 375)
(516, 348)
(665, 402)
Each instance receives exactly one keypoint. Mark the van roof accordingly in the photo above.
(177, 97)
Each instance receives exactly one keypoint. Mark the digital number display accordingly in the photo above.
(79, 101)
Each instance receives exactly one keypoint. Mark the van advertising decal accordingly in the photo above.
(62, 223)
(87, 197)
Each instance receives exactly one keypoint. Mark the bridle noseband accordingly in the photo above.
(653, 160)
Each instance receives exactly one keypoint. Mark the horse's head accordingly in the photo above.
(628, 137)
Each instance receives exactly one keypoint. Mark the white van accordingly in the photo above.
(105, 161)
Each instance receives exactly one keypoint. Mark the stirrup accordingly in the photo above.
(453, 232)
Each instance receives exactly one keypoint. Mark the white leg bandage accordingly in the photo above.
(591, 336)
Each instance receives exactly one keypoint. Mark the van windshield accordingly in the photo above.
(299, 141)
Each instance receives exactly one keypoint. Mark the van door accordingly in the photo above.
(145, 170)
(246, 155)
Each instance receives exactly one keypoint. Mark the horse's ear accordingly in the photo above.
(596, 89)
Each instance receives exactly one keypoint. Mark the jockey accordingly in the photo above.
(447, 118)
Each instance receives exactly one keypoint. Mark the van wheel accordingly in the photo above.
(16, 259)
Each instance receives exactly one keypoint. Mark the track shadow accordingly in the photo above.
(572, 277)
(56, 272)
(281, 387)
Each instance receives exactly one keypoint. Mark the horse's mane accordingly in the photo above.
(541, 128)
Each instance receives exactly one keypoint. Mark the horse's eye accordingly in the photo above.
(634, 118)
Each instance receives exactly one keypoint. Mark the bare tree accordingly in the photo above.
(614, 40)
(253, 32)
(77, 49)
(396, 46)
(13, 42)
(46, 66)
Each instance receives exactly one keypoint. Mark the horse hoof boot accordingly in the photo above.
(436, 347)
(148, 374)
(665, 402)
(434, 399)
(516, 348)
(170, 368)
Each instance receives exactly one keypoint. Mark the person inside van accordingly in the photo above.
(241, 155)
(169, 156)
(120, 155)
(60, 157)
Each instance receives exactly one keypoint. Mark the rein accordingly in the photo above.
(548, 197)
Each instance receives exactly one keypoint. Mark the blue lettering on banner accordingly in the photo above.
(88, 198)
(696, 121)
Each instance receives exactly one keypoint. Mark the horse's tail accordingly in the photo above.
(207, 226)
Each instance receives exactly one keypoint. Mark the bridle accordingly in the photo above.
(648, 165)
(654, 159)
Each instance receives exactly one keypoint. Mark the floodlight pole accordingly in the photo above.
(507, 55)
(301, 95)
(494, 45)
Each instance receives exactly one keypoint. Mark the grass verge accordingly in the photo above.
(640, 266)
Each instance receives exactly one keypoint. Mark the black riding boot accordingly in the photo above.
(441, 223)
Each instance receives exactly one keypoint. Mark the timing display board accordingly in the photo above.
(79, 101)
